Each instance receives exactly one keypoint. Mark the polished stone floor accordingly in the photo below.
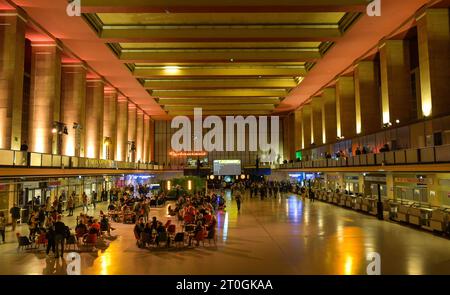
(283, 236)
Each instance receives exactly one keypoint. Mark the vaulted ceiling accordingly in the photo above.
(228, 57)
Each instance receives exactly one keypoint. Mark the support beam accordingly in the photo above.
(396, 94)
(44, 97)
(140, 137)
(94, 118)
(329, 115)
(215, 33)
(73, 96)
(122, 129)
(219, 83)
(345, 107)
(367, 98)
(218, 93)
(178, 6)
(219, 55)
(434, 59)
(225, 71)
(146, 151)
(224, 107)
(306, 126)
(132, 116)
(110, 124)
(215, 101)
(316, 121)
(12, 57)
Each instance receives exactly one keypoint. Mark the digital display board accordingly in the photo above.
(227, 167)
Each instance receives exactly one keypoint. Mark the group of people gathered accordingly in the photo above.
(195, 211)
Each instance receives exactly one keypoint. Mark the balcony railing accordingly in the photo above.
(428, 155)
(10, 158)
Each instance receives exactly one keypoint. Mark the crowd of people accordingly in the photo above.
(196, 212)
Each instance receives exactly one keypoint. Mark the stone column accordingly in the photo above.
(306, 126)
(109, 124)
(434, 59)
(316, 121)
(367, 98)
(122, 129)
(132, 113)
(12, 57)
(44, 96)
(140, 136)
(329, 115)
(345, 107)
(73, 94)
(395, 75)
(152, 141)
(94, 118)
(297, 140)
(146, 148)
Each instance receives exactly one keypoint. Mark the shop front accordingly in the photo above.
(374, 184)
(351, 183)
(412, 188)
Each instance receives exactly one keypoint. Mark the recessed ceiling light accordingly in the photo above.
(171, 69)
(231, 59)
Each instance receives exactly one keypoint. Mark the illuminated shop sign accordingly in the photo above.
(187, 154)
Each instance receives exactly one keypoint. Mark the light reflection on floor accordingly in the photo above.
(286, 236)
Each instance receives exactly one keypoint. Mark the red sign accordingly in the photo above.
(54, 183)
(187, 154)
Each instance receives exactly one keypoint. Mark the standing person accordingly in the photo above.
(15, 215)
(238, 200)
(2, 225)
(50, 235)
(70, 204)
(85, 201)
(60, 236)
(94, 199)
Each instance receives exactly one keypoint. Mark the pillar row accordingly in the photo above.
(12, 32)
(44, 96)
(94, 118)
(73, 94)
(329, 115)
(109, 124)
(434, 58)
(122, 129)
(140, 136)
(345, 107)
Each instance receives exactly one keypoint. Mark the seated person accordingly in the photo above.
(112, 207)
(139, 228)
(80, 230)
(94, 228)
(147, 235)
(105, 226)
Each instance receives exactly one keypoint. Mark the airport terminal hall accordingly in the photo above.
(224, 137)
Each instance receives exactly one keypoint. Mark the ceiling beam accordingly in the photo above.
(279, 71)
(219, 93)
(215, 84)
(211, 100)
(239, 107)
(180, 6)
(221, 113)
(287, 33)
(216, 55)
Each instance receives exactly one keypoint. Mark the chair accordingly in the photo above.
(179, 238)
(162, 238)
(41, 240)
(171, 229)
(200, 237)
(24, 242)
(212, 236)
(71, 241)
